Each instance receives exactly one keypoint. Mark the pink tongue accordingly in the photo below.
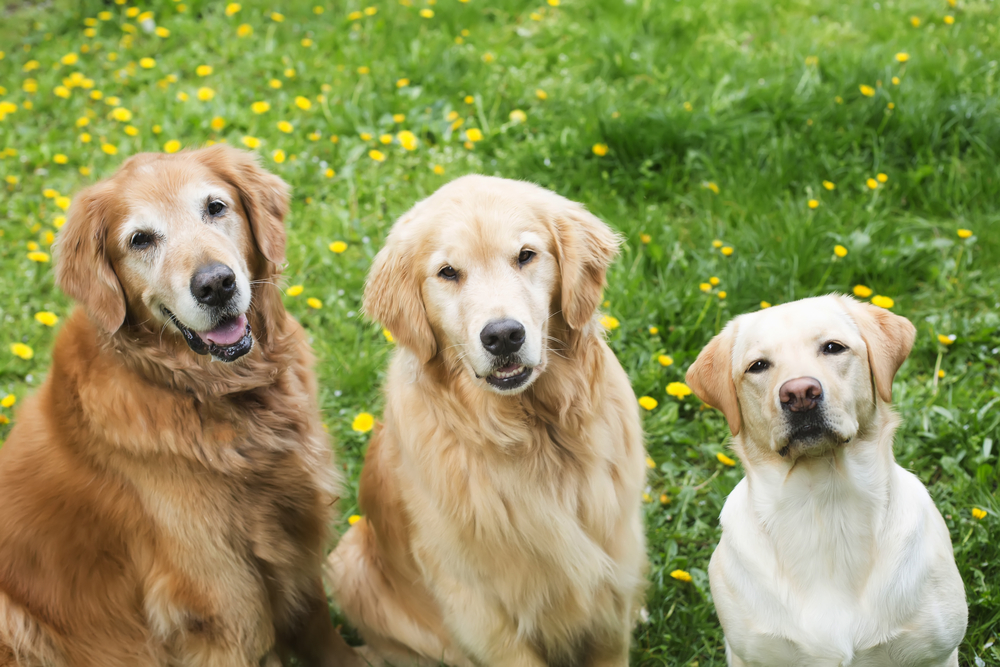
(228, 332)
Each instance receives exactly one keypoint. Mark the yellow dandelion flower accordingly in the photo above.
(915, 21)
(813, 203)
(162, 32)
(402, 83)
(716, 243)
(725, 460)
(329, 173)
(277, 17)
(407, 140)
(132, 12)
(385, 138)
(372, 11)
(157, 129)
(664, 499)
(646, 498)
(840, 251)
(474, 134)
(535, 16)
(218, 123)
(355, 16)
(30, 86)
(96, 94)
(650, 463)
(338, 247)
(303, 103)
(541, 94)
(518, 116)
(245, 30)
(260, 107)
(250, 142)
(388, 336)
(964, 233)
(294, 290)
(363, 422)
(688, 107)
(8, 401)
(427, 13)
(600, 150)
(705, 287)
(902, 57)
(609, 322)
(882, 178)
(59, 158)
(648, 403)
(47, 318)
(172, 146)
(398, 118)
(829, 185)
(726, 250)
(941, 373)
(652, 332)
(812, 61)
(121, 114)
(353, 519)
(376, 155)
(765, 304)
(438, 169)
(147, 63)
(949, 19)
(49, 193)
(883, 301)
(364, 69)
(22, 350)
(203, 70)
(665, 360)
(895, 80)
(714, 281)
(978, 514)
(131, 131)
(947, 340)
(32, 245)
(278, 156)
(678, 390)
(681, 575)
(488, 57)
(110, 149)
(62, 202)
(871, 183)
(69, 59)
(11, 179)
(182, 96)
(205, 93)
(232, 8)
(721, 294)
(314, 303)
(867, 91)
(285, 126)
(469, 99)
(104, 16)
(711, 185)
(61, 91)
(862, 291)
(645, 238)
(38, 256)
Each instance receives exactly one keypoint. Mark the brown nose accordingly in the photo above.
(800, 394)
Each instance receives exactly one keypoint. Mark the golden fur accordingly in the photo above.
(500, 529)
(159, 508)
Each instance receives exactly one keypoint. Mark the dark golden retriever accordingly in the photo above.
(165, 496)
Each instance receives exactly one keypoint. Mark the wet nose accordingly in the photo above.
(213, 284)
(502, 337)
(801, 394)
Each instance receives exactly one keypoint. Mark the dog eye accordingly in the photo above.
(216, 207)
(141, 240)
(525, 257)
(448, 273)
(759, 366)
(833, 348)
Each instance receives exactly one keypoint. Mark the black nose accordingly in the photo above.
(502, 337)
(213, 284)
(801, 394)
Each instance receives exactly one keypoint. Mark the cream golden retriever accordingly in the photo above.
(165, 496)
(503, 494)
(831, 553)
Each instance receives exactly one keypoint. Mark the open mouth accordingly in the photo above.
(509, 377)
(228, 341)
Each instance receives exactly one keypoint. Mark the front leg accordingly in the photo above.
(309, 635)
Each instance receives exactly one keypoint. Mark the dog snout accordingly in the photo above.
(213, 284)
(502, 337)
(801, 394)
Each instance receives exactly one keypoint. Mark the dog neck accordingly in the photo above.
(824, 516)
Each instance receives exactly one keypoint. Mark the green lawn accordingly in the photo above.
(721, 121)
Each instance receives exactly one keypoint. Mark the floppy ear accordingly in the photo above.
(711, 377)
(888, 337)
(83, 269)
(393, 295)
(585, 247)
(263, 195)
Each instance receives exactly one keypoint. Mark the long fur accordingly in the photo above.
(159, 508)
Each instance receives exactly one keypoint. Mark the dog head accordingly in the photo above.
(176, 241)
(803, 377)
(478, 272)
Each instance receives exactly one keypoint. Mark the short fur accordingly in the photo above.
(831, 554)
(161, 509)
(499, 529)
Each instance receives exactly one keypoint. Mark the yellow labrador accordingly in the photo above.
(502, 497)
(831, 553)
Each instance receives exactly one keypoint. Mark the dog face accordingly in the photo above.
(478, 271)
(804, 377)
(174, 242)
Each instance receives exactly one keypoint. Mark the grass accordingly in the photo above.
(721, 121)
